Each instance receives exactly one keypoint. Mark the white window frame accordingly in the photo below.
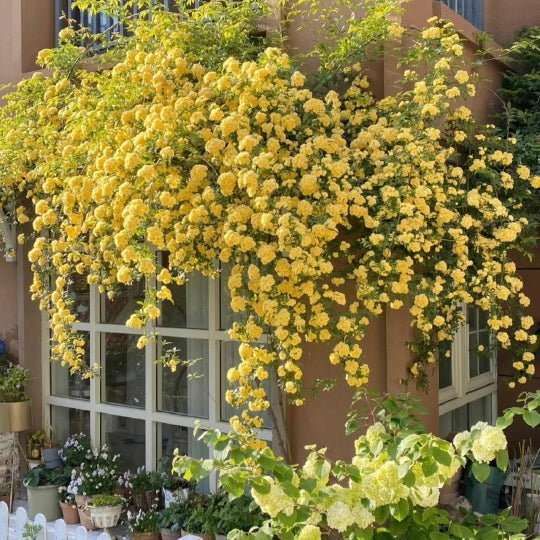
(465, 389)
(149, 414)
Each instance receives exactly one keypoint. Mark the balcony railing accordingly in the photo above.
(99, 23)
(470, 10)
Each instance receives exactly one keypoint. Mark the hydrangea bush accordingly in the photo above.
(390, 489)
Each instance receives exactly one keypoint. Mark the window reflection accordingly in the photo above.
(124, 380)
(126, 300)
(184, 390)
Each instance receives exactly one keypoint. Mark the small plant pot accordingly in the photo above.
(51, 458)
(70, 513)
(450, 492)
(105, 516)
(146, 536)
(167, 534)
(170, 496)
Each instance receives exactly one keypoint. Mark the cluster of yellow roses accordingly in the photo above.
(328, 210)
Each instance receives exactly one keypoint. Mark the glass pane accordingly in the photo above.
(66, 422)
(171, 437)
(445, 372)
(185, 390)
(125, 436)
(226, 315)
(65, 384)
(124, 303)
(466, 416)
(229, 359)
(484, 357)
(79, 292)
(189, 308)
(473, 355)
(123, 370)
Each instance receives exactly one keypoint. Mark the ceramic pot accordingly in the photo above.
(177, 495)
(167, 534)
(84, 511)
(15, 416)
(70, 513)
(105, 516)
(43, 500)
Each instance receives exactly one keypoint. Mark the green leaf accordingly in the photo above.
(261, 485)
(514, 524)
(435, 535)
(409, 479)
(429, 467)
(444, 458)
(504, 421)
(532, 418)
(400, 510)
(266, 462)
(502, 459)
(461, 531)
(381, 514)
(481, 471)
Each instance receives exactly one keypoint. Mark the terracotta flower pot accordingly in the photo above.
(450, 492)
(166, 534)
(70, 513)
(146, 536)
(84, 512)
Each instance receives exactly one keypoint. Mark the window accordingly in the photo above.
(100, 23)
(467, 380)
(470, 10)
(143, 410)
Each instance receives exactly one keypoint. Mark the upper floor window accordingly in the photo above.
(470, 10)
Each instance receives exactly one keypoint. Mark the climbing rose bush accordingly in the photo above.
(327, 210)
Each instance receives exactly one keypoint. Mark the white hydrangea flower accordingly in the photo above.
(309, 532)
(486, 446)
(339, 516)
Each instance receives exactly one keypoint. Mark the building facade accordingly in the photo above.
(143, 412)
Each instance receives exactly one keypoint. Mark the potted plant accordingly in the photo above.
(50, 452)
(143, 525)
(240, 513)
(15, 412)
(68, 506)
(175, 487)
(146, 486)
(42, 489)
(97, 475)
(34, 444)
(105, 510)
(201, 522)
(172, 518)
(75, 451)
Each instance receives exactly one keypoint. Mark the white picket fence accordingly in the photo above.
(12, 527)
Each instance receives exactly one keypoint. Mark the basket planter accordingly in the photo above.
(70, 513)
(84, 511)
(44, 500)
(105, 516)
